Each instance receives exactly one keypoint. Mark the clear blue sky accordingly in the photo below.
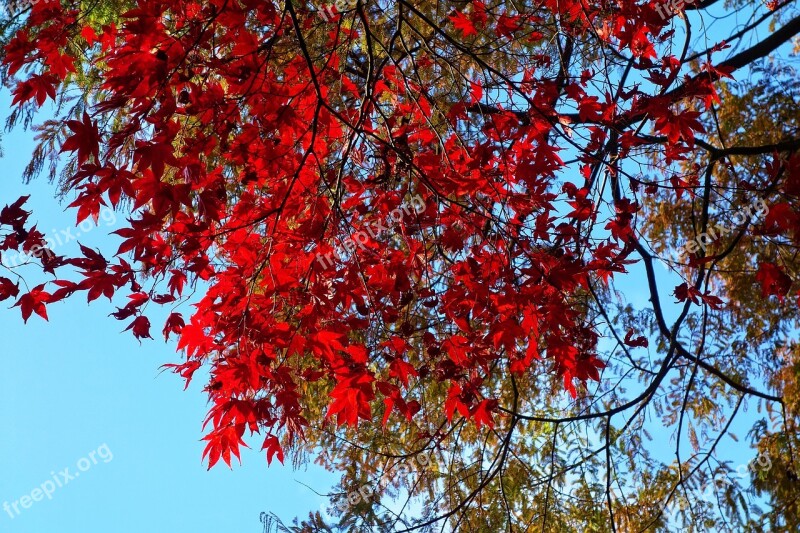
(70, 385)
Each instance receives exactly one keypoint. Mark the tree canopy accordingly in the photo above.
(505, 265)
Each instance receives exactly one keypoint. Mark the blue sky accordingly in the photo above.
(75, 383)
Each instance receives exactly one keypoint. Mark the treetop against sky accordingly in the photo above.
(387, 230)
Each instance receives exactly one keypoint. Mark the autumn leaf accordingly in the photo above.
(34, 302)
(463, 23)
(85, 139)
(640, 341)
(140, 327)
(773, 280)
(273, 447)
(8, 289)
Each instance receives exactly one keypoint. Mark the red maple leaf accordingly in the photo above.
(34, 302)
(640, 341)
(85, 139)
(273, 447)
(463, 24)
(773, 280)
(140, 327)
(8, 289)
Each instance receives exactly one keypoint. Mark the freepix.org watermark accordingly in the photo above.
(720, 481)
(329, 12)
(57, 481)
(373, 230)
(758, 209)
(56, 239)
(372, 490)
(12, 7)
(672, 7)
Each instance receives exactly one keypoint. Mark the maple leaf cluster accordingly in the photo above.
(243, 158)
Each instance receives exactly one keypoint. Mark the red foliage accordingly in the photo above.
(773, 280)
(241, 207)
